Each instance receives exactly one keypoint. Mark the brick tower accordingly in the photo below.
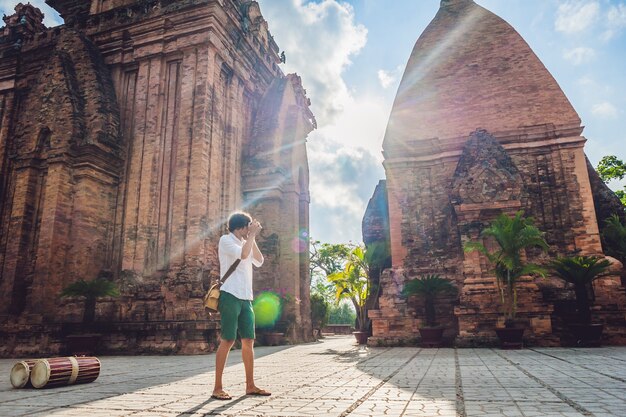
(479, 127)
(127, 135)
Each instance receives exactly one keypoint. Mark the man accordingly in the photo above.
(235, 304)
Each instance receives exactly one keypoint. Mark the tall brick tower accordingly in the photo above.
(479, 127)
(127, 135)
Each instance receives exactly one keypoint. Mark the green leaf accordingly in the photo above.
(428, 286)
(513, 235)
(580, 270)
(614, 233)
(610, 168)
(98, 287)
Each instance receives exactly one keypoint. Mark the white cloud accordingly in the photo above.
(342, 182)
(388, 78)
(579, 55)
(319, 50)
(586, 81)
(576, 15)
(605, 110)
(385, 78)
(345, 151)
(345, 165)
(361, 125)
(615, 21)
(51, 17)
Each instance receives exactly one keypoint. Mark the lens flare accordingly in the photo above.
(298, 245)
(267, 309)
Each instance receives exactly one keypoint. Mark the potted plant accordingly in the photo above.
(352, 283)
(319, 314)
(429, 287)
(512, 235)
(86, 341)
(581, 271)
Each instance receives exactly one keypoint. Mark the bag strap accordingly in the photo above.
(230, 271)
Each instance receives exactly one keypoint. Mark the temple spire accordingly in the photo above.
(452, 3)
(467, 59)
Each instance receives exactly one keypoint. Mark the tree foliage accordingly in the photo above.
(342, 271)
(614, 232)
(581, 271)
(342, 313)
(377, 256)
(513, 235)
(320, 286)
(353, 283)
(319, 311)
(611, 168)
(429, 287)
(325, 259)
(91, 290)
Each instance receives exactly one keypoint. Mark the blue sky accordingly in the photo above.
(581, 42)
(351, 55)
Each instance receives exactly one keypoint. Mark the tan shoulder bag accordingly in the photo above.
(212, 297)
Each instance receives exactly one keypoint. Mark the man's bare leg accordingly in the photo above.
(247, 354)
(220, 362)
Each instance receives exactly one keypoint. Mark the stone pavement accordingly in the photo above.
(337, 378)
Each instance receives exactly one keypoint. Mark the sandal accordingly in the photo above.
(259, 392)
(222, 395)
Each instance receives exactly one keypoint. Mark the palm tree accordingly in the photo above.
(581, 271)
(378, 258)
(428, 287)
(91, 290)
(614, 233)
(352, 283)
(513, 236)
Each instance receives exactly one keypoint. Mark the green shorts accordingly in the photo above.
(236, 314)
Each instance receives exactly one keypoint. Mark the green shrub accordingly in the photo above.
(319, 311)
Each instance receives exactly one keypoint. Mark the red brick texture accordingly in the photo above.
(127, 136)
(446, 180)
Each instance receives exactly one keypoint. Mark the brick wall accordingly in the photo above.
(124, 137)
(469, 70)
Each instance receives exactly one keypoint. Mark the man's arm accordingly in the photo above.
(228, 247)
(257, 256)
(253, 230)
(247, 247)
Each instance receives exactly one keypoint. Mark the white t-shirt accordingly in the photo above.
(239, 283)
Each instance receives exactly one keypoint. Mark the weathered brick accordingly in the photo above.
(127, 136)
(470, 71)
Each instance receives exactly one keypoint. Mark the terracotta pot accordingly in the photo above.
(511, 337)
(273, 338)
(361, 337)
(587, 334)
(431, 336)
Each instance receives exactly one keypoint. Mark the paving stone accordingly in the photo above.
(335, 378)
(10, 410)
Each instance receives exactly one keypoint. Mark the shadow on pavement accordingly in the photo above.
(122, 375)
(226, 406)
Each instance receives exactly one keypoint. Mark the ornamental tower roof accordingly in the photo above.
(470, 69)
